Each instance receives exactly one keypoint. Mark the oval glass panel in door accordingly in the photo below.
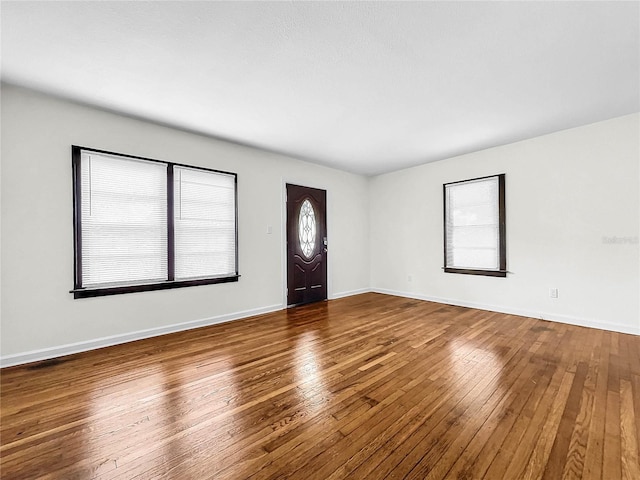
(307, 228)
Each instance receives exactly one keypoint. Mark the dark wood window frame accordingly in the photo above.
(502, 250)
(81, 292)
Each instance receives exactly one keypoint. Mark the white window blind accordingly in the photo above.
(472, 224)
(205, 223)
(124, 220)
(144, 224)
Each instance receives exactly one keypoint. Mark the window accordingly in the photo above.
(143, 224)
(474, 227)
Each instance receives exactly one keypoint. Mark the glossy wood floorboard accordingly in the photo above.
(365, 387)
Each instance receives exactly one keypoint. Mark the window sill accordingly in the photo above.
(147, 287)
(486, 273)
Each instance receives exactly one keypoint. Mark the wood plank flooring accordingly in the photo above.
(365, 387)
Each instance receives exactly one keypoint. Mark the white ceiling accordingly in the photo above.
(365, 87)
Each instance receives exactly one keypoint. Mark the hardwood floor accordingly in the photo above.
(365, 387)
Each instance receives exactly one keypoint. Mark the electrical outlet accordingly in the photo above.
(553, 293)
(410, 278)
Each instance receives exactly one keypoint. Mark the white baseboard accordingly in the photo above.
(68, 349)
(71, 348)
(581, 322)
(349, 293)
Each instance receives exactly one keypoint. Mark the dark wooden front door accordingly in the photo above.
(306, 245)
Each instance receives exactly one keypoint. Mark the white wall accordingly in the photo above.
(565, 192)
(39, 313)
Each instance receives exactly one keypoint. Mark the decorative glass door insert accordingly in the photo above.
(307, 228)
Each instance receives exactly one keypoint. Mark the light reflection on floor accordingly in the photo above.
(465, 356)
(162, 414)
(126, 422)
(308, 373)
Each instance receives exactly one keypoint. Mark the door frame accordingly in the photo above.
(283, 232)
